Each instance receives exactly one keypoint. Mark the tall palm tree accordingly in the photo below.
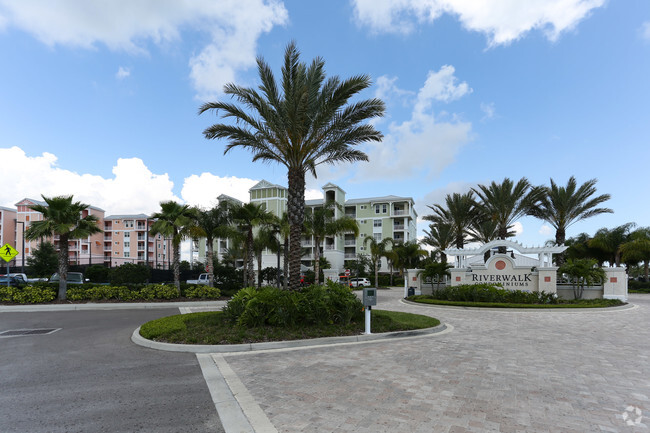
(506, 202)
(321, 222)
(440, 236)
(378, 250)
(63, 218)
(562, 206)
(610, 241)
(265, 238)
(173, 221)
(302, 122)
(638, 248)
(484, 230)
(246, 218)
(211, 224)
(459, 212)
(409, 254)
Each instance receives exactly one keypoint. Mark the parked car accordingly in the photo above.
(203, 279)
(359, 282)
(13, 281)
(73, 278)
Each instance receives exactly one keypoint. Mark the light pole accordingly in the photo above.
(22, 267)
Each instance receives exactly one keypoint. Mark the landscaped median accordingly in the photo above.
(494, 296)
(270, 314)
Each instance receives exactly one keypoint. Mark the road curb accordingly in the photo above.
(108, 306)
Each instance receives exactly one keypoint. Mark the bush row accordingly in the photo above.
(314, 305)
(491, 293)
(27, 294)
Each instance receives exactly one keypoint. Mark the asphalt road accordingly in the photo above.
(90, 377)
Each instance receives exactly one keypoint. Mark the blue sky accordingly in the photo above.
(100, 99)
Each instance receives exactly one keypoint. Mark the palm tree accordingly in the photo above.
(263, 239)
(610, 241)
(409, 255)
(173, 221)
(63, 218)
(459, 213)
(584, 272)
(638, 248)
(436, 271)
(378, 250)
(247, 217)
(440, 236)
(301, 123)
(562, 206)
(321, 222)
(506, 202)
(484, 230)
(211, 224)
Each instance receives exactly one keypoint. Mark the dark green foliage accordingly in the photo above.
(228, 279)
(639, 286)
(313, 305)
(44, 260)
(490, 293)
(130, 273)
(98, 274)
(28, 294)
(384, 281)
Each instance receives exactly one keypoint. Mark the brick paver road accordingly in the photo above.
(497, 371)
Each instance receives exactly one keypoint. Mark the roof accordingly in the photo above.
(265, 184)
(30, 201)
(386, 198)
(8, 208)
(224, 197)
(140, 216)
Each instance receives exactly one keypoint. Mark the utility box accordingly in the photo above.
(369, 296)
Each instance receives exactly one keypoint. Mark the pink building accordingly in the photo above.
(127, 240)
(8, 232)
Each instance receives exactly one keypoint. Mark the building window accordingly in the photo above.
(363, 206)
(127, 244)
(377, 237)
(127, 254)
(128, 224)
(117, 253)
(384, 208)
(127, 235)
(26, 217)
(376, 208)
(116, 242)
(376, 223)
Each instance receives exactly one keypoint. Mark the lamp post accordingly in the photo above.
(22, 267)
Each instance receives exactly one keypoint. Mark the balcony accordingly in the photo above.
(107, 249)
(398, 227)
(141, 227)
(350, 256)
(398, 212)
(141, 237)
(306, 244)
(350, 243)
(329, 247)
(108, 237)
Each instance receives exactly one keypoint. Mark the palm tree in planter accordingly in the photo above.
(321, 223)
(562, 206)
(246, 218)
(302, 122)
(436, 271)
(174, 221)
(506, 202)
(378, 249)
(66, 219)
(211, 224)
(583, 272)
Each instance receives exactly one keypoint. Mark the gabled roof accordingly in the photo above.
(265, 184)
(224, 197)
(139, 216)
(29, 201)
(386, 198)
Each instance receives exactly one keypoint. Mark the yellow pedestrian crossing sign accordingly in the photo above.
(8, 252)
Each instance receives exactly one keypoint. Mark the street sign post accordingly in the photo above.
(7, 252)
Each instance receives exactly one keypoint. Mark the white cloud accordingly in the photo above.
(133, 189)
(503, 21)
(437, 196)
(518, 228)
(488, 110)
(645, 30)
(203, 190)
(122, 73)
(546, 230)
(233, 27)
(422, 143)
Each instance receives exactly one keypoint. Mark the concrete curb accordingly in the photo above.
(628, 306)
(108, 306)
(251, 347)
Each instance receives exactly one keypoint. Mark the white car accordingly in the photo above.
(359, 282)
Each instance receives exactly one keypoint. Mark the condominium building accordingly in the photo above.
(379, 217)
(8, 228)
(126, 239)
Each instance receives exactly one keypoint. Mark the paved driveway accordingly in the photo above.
(90, 377)
(497, 371)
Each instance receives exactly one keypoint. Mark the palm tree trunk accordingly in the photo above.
(560, 238)
(285, 265)
(316, 260)
(645, 269)
(296, 211)
(63, 267)
(250, 258)
(377, 272)
(177, 267)
(259, 271)
(210, 264)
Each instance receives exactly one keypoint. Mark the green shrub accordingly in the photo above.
(98, 274)
(313, 305)
(202, 292)
(27, 295)
(130, 273)
(492, 293)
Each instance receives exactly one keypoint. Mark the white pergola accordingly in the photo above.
(544, 254)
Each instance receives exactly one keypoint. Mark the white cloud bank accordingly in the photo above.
(424, 142)
(502, 21)
(233, 27)
(132, 189)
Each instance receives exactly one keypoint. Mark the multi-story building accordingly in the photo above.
(8, 228)
(126, 239)
(380, 217)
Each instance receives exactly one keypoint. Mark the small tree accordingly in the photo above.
(377, 251)
(436, 271)
(583, 272)
(43, 261)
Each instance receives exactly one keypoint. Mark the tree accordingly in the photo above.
(66, 219)
(506, 202)
(562, 206)
(44, 260)
(301, 123)
(440, 236)
(247, 217)
(460, 212)
(484, 230)
(409, 254)
(173, 221)
(584, 272)
(211, 224)
(610, 241)
(321, 222)
(130, 273)
(378, 250)
(637, 249)
(436, 271)
(265, 238)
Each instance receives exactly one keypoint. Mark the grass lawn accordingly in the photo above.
(210, 328)
(583, 303)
